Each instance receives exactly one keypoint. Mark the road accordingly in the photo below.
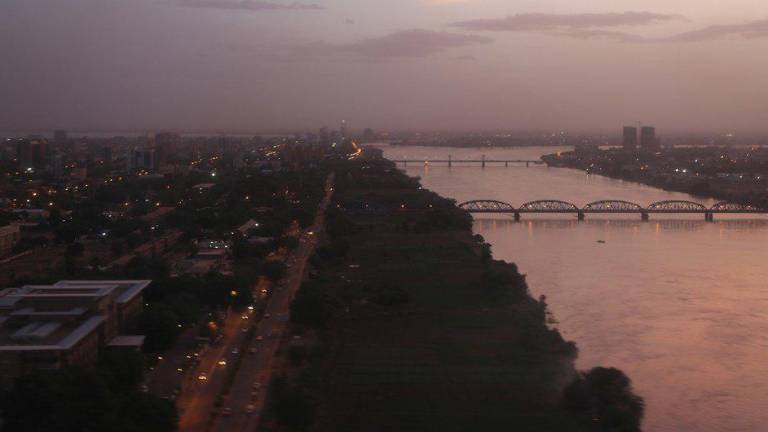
(248, 348)
(247, 397)
(198, 399)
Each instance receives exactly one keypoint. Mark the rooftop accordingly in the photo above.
(58, 316)
(40, 335)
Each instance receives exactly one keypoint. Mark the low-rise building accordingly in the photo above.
(44, 327)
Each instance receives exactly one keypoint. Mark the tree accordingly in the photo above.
(291, 405)
(76, 249)
(160, 324)
(274, 270)
(311, 306)
(603, 398)
(94, 399)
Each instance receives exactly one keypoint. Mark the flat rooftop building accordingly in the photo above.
(65, 324)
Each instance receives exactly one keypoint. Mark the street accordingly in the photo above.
(248, 348)
(248, 394)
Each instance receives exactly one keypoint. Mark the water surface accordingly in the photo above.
(679, 304)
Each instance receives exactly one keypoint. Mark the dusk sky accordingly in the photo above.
(271, 65)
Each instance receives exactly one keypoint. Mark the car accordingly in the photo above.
(252, 350)
(267, 315)
(222, 362)
(259, 338)
(235, 351)
(256, 385)
(202, 377)
(245, 317)
(226, 411)
(250, 408)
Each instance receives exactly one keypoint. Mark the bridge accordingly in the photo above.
(482, 161)
(611, 207)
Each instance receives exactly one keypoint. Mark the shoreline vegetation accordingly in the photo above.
(704, 172)
(408, 323)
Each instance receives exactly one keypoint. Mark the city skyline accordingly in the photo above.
(216, 65)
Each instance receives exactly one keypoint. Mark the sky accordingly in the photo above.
(280, 65)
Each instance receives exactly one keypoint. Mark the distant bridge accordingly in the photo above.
(482, 161)
(611, 207)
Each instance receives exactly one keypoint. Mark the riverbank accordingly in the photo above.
(419, 328)
(701, 172)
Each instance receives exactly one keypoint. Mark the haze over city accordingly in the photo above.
(277, 65)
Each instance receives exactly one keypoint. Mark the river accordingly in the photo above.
(679, 304)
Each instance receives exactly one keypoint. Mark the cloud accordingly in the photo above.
(248, 5)
(610, 35)
(403, 44)
(558, 22)
(748, 30)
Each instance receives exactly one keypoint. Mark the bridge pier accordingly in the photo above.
(517, 216)
(581, 215)
(709, 217)
(506, 164)
(527, 164)
(483, 161)
(644, 216)
(450, 161)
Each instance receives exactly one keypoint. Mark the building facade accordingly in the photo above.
(10, 235)
(45, 327)
(629, 139)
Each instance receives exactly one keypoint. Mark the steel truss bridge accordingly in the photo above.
(482, 161)
(611, 207)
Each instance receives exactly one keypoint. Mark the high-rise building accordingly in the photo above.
(343, 129)
(140, 159)
(648, 140)
(56, 166)
(106, 156)
(24, 154)
(32, 153)
(166, 145)
(324, 138)
(629, 141)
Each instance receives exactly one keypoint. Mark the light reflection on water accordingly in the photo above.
(678, 303)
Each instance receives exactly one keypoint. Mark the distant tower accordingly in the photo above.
(630, 138)
(648, 141)
(343, 129)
